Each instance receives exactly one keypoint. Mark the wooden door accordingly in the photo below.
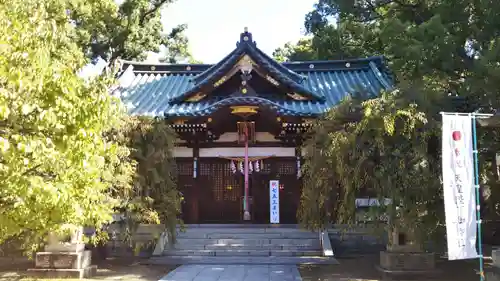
(259, 189)
(185, 185)
(290, 190)
(219, 192)
(284, 170)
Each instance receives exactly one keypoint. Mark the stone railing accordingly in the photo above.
(146, 235)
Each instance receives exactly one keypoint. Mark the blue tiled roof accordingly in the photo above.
(155, 89)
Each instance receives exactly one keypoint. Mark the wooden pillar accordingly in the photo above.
(196, 183)
(298, 190)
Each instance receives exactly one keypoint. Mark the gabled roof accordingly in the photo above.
(246, 46)
(159, 89)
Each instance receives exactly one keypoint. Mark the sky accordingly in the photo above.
(214, 26)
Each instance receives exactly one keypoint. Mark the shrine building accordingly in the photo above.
(247, 108)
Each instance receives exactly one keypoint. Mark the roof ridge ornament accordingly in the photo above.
(245, 37)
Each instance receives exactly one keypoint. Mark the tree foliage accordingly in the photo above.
(302, 51)
(56, 166)
(68, 153)
(449, 46)
(444, 55)
(178, 47)
(377, 148)
(127, 30)
(153, 197)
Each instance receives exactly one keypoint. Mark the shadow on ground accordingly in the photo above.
(128, 269)
(362, 268)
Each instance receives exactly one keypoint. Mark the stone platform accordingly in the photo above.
(75, 264)
(79, 273)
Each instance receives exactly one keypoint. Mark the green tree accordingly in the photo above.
(178, 47)
(377, 148)
(302, 51)
(153, 198)
(128, 31)
(447, 46)
(444, 55)
(56, 165)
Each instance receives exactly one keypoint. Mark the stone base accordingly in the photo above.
(62, 260)
(81, 273)
(495, 257)
(492, 274)
(407, 265)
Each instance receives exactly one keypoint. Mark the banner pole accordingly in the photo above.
(478, 201)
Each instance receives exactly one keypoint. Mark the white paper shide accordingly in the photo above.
(458, 186)
(274, 201)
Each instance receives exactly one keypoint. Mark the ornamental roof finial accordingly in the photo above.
(246, 36)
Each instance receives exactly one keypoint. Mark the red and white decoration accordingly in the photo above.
(458, 186)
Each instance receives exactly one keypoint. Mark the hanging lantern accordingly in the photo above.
(233, 167)
(241, 167)
(257, 166)
(250, 167)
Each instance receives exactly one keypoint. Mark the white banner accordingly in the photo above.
(274, 201)
(458, 186)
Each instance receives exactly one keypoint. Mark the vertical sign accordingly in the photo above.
(274, 201)
(458, 186)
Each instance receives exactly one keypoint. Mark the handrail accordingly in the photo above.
(326, 245)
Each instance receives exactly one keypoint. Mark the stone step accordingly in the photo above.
(238, 253)
(224, 235)
(305, 247)
(261, 247)
(178, 260)
(278, 241)
(241, 226)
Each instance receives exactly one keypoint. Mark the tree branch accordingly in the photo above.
(155, 8)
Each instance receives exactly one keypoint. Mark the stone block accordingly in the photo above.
(407, 265)
(407, 261)
(65, 247)
(63, 260)
(495, 256)
(492, 274)
(80, 273)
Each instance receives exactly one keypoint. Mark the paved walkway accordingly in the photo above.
(234, 273)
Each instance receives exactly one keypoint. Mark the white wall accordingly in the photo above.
(182, 152)
(252, 151)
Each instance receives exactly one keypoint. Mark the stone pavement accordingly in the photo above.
(234, 273)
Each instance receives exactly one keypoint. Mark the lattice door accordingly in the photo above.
(185, 185)
(290, 189)
(220, 192)
(284, 170)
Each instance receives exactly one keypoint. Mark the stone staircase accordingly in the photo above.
(244, 244)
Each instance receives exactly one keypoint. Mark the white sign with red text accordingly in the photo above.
(458, 186)
(274, 201)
